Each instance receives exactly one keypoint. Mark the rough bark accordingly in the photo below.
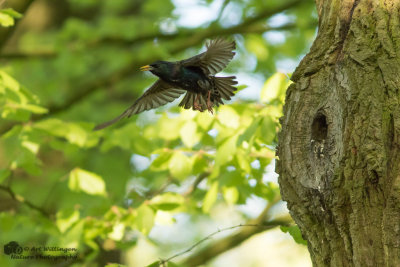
(339, 148)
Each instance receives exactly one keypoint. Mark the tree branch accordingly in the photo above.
(93, 86)
(22, 200)
(196, 182)
(264, 227)
(5, 33)
(29, 55)
(249, 229)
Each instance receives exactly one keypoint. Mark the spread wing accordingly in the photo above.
(219, 53)
(159, 94)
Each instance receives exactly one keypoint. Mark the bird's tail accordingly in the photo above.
(223, 88)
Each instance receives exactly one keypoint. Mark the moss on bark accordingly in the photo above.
(339, 148)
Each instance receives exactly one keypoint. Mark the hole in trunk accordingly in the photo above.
(319, 128)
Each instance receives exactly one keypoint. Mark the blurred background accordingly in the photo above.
(151, 186)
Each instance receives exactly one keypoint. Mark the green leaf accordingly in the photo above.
(204, 120)
(231, 194)
(168, 129)
(6, 20)
(73, 132)
(154, 264)
(66, 218)
(189, 134)
(268, 129)
(210, 197)
(228, 117)
(180, 165)
(243, 160)
(115, 265)
(294, 231)
(161, 162)
(73, 236)
(144, 219)
(11, 12)
(274, 87)
(256, 45)
(118, 232)
(171, 264)
(250, 131)
(9, 81)
(167, 201)
(85, 181)
(4, 173)
(226, 150)
(34, 108)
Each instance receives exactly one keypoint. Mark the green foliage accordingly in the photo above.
(67, 186)
(294, 231)
(8, 16)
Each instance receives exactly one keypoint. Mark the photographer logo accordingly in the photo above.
(12, 248)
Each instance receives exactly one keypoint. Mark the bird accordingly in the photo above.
(194, 76)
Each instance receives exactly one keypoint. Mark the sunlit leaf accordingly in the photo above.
(189, 134)
(162, 161)
(204, 120)
(226, 150)
(231, 194)
(243, 160)
(118, 232)
(154, 264)
(256, 45)
(250, 131)
(65, 218)
(73, 132)
(168, 128)
(11, 12)
(144, 219)
(6, 20)
(228, 117)
(167, 201)
(274, 87)
(210, 197)
(85, 181)
(180, 165)
(9, 82)
(31, 146)
(294, 231)
(164, 218)
(73, 236)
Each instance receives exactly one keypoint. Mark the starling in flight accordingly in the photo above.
(193, 76)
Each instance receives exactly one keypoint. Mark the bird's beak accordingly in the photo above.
(146, 68)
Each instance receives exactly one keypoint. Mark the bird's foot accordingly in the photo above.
(196, 105)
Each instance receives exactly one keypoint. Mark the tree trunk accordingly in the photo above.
(339, 147)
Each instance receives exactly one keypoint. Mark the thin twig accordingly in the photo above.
(208, 237)
(259, 223)
(196, 182)
(109, 80)
(22, 200)
(221, 11)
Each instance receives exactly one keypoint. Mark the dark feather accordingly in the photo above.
(160, 93)
(219, 53)
(195, 76)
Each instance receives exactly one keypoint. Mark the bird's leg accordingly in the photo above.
(209, 103)
(196, 105)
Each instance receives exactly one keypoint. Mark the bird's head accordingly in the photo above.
(158, 68)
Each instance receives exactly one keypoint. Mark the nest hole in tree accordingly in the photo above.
(319, 128)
